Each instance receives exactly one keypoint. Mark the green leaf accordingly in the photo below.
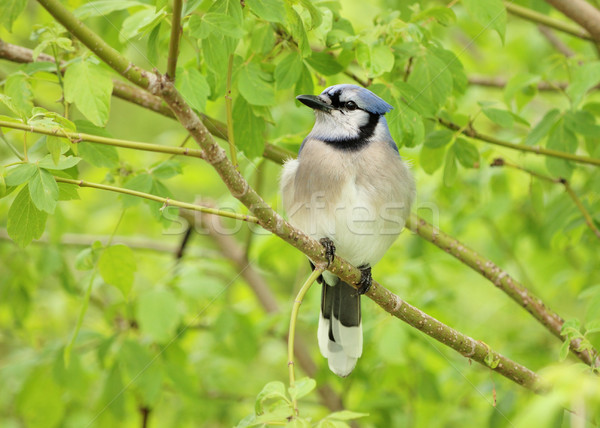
(117, 267)
(255, 85)
(2, 186)
(89, 87)
(288, 70)
(67, 192)
(104, 7)
(377, 59)
(305, 83)
(450, 167)
(382, 60)
(43, 191)
(489, 13)
(157, 314)
(501, 117)
(564, 351)
(583, 78)
(562, 139)
(315, 14)
(582, 122)
(592, 326)
(193, 86)
(438, 138)
(297, 29)
(540, 130)
(112, 396)
(269, 10)
(324, 63)
(411, 126)
(466, 153)
(25, 222)
(521, 87)
(346, 415)
(141, 23)
(63, 162)
(274, 390)
(431, 159)
(443, 15)
(142, 370)
(219, 23)
(18, 88)
(302, 387)
(142, 183)
(56, 146)
(40, 402)
(413, 99)
(20, 174)
(167, 169)
(459, 77)
(10, 10)
(7, 101)
(432, 80)
(248, 129)
(215, 52)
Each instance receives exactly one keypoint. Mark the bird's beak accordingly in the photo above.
(314, 102)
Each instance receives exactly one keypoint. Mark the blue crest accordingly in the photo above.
(364, 98)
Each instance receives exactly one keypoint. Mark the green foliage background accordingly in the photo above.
(187, 341)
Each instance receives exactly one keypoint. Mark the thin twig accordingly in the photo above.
(470, 132)
(184, 243)
(167, 202)
(500, 83)
(76, 137)
(145, 413)
(558, 44)
(586, 215)
(10, 146)
(229, 108)
(174, 40)
(501, 279)
(540, 18)
(60, 81)
(292, 330)
(230, 249)
(581, 12)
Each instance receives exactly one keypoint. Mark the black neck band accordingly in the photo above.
(365, 132)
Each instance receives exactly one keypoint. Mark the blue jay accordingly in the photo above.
(350, 189)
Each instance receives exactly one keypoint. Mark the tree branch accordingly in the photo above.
(500, 83)
(76, 137)
(85, 240)
(470, 132)
(586, 215)
(174, 40)
(166, 201)
(273, 222)
(501, 279)
(540, 18)
(581, 12)
(558, 44)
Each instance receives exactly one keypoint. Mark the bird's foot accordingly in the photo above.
(365, 280)
(329, 249)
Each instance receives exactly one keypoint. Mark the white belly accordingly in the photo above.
(361, 225)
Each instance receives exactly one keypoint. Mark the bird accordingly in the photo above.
(350, 189)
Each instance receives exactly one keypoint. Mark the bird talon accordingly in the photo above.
(329, 249)
(364, 284)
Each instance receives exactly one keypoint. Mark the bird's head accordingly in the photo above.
(346, 115)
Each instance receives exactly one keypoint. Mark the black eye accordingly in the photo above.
(351, 105)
